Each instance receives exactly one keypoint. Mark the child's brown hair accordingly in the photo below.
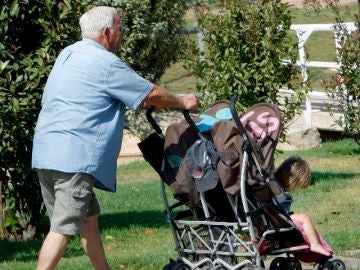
(293, 173)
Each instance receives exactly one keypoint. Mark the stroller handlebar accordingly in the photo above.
(156, 126)
(190, 121)
(235, 116)
(249, 146)
(152, 121)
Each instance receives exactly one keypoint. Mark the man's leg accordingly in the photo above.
(54, 244)
(52, 250)
(67, 212)
(92, 243)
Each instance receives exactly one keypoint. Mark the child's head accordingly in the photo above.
(293, 173)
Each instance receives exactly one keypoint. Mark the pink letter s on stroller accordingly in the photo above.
(225, 215)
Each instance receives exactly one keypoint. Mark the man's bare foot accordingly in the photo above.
(319, 249)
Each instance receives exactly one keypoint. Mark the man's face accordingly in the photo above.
(115, 35)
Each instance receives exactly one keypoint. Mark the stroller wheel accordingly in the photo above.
(334, 264)
(319, 265)
(293, 264)
(181, 266)
(176, 265)
(170, 265)
(279, 263)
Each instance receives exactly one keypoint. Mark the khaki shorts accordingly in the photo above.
(69, 199)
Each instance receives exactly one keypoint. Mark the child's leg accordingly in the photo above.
(310, 233)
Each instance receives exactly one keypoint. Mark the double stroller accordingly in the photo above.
(224, 215)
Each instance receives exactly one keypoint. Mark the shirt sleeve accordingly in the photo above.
(285, 201)
(126, 85)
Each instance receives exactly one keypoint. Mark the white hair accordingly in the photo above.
(96, 19)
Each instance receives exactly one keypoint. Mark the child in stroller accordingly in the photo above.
(291, 175)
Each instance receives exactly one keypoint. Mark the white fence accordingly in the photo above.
(303, 32)
(315, 100)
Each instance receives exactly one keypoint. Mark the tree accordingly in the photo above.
(246, 44)
(33, 33)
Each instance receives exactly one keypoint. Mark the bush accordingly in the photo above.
(34, 32)
(153, 44)
(246, 43)
(344, 87)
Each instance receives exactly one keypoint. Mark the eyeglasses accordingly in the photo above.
(118, 28)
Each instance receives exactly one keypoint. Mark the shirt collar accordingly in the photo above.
(93, 43)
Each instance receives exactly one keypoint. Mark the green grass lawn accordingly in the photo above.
(136, 235)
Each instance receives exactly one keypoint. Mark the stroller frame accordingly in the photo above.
(229, 235)
(212, 244)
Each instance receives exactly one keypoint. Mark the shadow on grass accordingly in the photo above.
(125, 220)
(28, 251)
(317, 177)
(25, 251)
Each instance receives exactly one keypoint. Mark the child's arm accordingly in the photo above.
(275, 187)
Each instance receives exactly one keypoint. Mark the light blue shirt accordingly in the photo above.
(80, 126)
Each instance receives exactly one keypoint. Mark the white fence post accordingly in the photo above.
(303, 32)
(302, 38)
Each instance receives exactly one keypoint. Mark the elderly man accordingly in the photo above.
(79, 132)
